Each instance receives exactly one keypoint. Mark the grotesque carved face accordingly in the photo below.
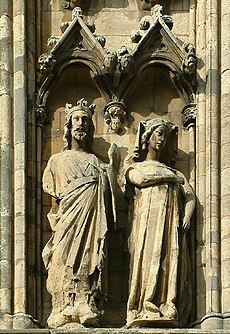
(110, 61)
(159, 137)
(80, 125)
(126, 60)
(190, 64)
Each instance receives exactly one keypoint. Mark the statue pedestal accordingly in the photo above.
(115, 331)
(159, 322)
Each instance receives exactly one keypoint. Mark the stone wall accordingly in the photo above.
(27, 142)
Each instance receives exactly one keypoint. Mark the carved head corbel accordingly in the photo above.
(115, 114)
(110, 61)
(190, 59)
(125, 58)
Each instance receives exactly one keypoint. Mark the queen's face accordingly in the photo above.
(159, 137)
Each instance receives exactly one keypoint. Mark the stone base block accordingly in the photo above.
(114, 331)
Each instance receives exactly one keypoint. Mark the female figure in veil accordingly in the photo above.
(161, 206)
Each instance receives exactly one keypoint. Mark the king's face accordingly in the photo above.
(80, 124)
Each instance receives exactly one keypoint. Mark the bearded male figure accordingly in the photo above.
(76, 253)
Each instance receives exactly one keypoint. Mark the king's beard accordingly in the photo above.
(79, 135)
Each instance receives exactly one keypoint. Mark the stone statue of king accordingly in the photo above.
(75, 256)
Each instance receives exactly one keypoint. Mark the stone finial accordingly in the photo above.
(156, 13)
(115, 113)
(77, 12)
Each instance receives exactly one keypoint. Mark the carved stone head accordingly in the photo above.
(160, 134)
(125, 59)
(190, 60)
(159, 137)
(110, 61)
(79, 125)
(115, 113)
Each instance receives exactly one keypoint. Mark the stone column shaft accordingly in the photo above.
(39, 227)
(6, 159)
(192, 22)
(213, 289)
(192, 130)
(19, 118)
(200, 161)
(225, 164)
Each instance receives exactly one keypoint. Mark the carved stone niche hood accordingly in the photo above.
(115, 72)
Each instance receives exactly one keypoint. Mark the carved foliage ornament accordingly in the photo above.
(189, 114)
(46, 62)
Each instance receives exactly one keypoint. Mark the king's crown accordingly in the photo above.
(82, 105)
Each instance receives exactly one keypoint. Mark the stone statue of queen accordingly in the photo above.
(161, 205)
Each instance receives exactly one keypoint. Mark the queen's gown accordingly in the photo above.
(159, 261)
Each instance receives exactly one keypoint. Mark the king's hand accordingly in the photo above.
(113, 154)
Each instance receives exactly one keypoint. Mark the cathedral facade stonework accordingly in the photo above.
(115, 177)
